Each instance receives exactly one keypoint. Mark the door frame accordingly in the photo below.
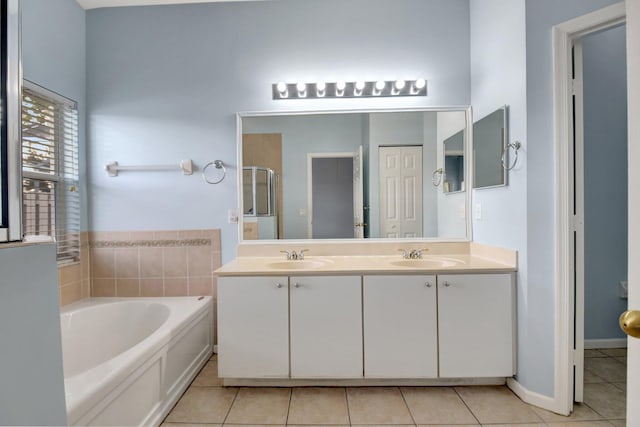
(564, 36)
(355, 155)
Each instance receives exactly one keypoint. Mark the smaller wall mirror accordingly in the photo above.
(454, 163)
(490, 134)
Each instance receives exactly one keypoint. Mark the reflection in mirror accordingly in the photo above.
(259, 203)
(454, 163)
(369, 171)
(489, 138)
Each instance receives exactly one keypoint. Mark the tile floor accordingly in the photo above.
(207, 403)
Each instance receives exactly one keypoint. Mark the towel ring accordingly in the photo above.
(219, 165)
(436, 177)
(516, 145)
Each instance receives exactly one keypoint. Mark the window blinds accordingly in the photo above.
(51, 202)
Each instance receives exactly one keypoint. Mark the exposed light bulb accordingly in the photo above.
(420, 83)
(301, 87)
(399, 84)
(359, 85)
(282, 87)
(320, 86)
(380, 84)
(340, 85)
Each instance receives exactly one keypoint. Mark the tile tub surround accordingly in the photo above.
(154, 263)
(74, 280)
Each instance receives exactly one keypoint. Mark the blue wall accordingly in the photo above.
(164, 83)
(498, 77)
(605, 158)
(53, 56)
(32, 383)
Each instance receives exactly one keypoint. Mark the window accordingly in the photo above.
(51, 202)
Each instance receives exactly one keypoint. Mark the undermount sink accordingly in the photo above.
(427, 262)
(302, 264)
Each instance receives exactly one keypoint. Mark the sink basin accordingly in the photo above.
(303, 264)
(427, 263)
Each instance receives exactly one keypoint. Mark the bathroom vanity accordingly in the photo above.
(448, 317)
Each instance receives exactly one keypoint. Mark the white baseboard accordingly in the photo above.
(533, 398)
(608, 343)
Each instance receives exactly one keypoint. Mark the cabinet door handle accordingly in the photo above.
(447, 284)
(428, 284)
(296, 285)
(278, 285)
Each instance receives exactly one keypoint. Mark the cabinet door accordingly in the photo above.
(400, 327)
(476, 325)
(253, 333)
(326, 327)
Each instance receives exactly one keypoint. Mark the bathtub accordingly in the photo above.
(128, 360)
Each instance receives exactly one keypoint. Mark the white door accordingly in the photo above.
(400, 171)
(633, 85)
(400, 327)
(476, 325)
(326, 327)
(253, 327)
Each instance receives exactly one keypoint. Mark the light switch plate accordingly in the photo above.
(478, 211)
(233, 216)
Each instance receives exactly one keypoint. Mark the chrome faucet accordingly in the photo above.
(413, 254)
(293, 255)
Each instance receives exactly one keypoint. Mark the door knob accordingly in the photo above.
(630, 323)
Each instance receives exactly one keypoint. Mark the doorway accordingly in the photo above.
(570, 221)
(600, 204)
(335, 195)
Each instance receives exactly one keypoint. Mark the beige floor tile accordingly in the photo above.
(606, 368)
(203, 405)
(318, 405)
(496, 404)
(456, 425)
(540, 424)
(256, 425)
(189, 425)
(260, 405)
(614, 352)
(622, 359)
(581, 412)
(594, 353)
(377, 405)
(619, 423)
(436, 405)
(621, 386)
(318, 425)
(208, 376)
(590, 377)
(581, 424)
(606, 399)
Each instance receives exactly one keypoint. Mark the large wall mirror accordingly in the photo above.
(489, 145)
(346, 175)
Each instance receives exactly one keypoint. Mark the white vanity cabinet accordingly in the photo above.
(400, 326)
(476, 325)
(253, 327)
(326, 326)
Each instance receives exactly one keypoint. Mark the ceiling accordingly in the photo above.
(94, 4)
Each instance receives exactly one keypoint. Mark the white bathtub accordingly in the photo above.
(128, 360)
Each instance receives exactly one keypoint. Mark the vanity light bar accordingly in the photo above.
(356, 89)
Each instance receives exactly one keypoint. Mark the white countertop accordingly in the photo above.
(354, 264)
